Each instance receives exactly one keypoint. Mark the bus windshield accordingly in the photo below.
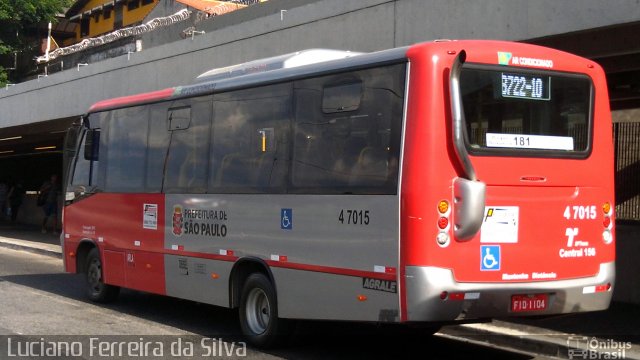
(526, 113)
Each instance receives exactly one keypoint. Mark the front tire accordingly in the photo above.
(259, 312)
(97, 290)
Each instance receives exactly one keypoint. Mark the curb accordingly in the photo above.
(539, 341)
(30, 246)
(501, 336)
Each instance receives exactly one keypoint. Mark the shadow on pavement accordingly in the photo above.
(310, 339)
(619, 322)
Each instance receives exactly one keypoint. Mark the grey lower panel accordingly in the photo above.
(320, 296)
(350, 232)
(425, 284)
(301, 294)
(202, 280)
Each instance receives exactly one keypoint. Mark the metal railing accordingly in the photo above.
(627, 158)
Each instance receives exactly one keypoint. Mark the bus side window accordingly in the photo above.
(127, 147)
(82, 166)
(342, 97)
(92, 145)
(250, 142)
(180, 118)
(347, 132)
(188, 156)
(157, 144)
(86, 169)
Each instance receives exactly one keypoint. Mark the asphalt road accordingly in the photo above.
(40, 305)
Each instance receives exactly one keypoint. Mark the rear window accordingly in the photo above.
(526, 113)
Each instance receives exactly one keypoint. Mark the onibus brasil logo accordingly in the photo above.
(582, 347)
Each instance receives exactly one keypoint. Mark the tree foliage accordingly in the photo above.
(18, 15)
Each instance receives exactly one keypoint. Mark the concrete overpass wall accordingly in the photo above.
(259, 31)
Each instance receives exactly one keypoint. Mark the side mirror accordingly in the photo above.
(469, 202)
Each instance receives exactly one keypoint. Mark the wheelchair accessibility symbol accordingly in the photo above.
(286, 219)
(489, 257)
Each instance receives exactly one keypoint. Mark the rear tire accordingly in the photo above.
(259, 313)
(97, 290)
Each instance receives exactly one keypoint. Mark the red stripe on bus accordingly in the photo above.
(131, 100)
(230, 258)
(332, 270)
(293, 266)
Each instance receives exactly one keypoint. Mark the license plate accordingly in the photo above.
(524, 303)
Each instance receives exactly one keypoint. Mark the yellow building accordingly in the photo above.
(98, 17)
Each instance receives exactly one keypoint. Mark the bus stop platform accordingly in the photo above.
(29, 238)
(609, 334)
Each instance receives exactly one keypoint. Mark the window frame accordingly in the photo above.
(535, 153)
(398, 83)
(285, 163)
(395, 136)
(193, 105)
(106, 156)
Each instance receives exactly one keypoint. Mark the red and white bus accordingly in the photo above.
(439, 182)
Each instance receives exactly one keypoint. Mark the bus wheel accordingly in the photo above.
(259, 313)
(96, 288)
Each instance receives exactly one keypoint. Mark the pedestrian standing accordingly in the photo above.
(49, 199)
(15, 196)
(3, 199)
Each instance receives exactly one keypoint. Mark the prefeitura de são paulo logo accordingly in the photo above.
(178, 220)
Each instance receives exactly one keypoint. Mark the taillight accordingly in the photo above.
(443, 222)
(607, 211)
(597, 288)
(442, 239)
(444, 211)
(443, 207)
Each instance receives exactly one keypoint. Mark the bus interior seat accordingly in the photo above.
(372, 167)
(347, 155)
(311, 157)
(239, 169)
(235, 170)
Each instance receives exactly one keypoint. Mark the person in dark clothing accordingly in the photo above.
(16, 195)
(4, 189)
(49, 194)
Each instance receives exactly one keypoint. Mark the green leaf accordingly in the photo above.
(3, 77)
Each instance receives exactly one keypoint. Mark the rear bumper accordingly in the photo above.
(491, 300)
